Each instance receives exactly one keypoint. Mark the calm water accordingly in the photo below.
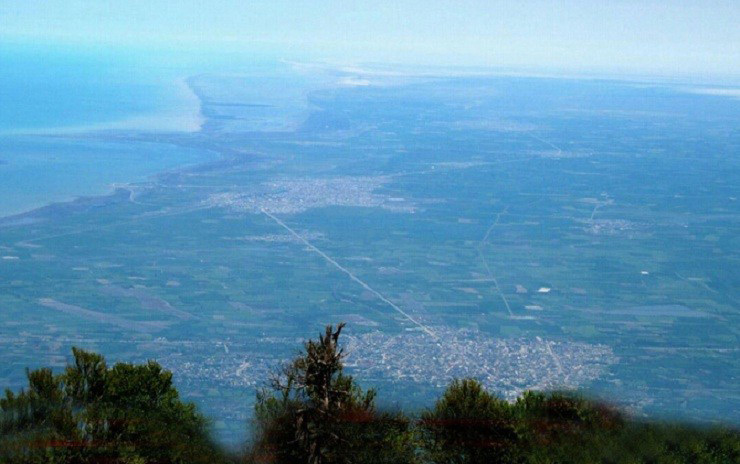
(39, 170)
(54, 91)
(63, 89)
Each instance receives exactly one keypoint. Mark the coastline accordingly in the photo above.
(173, 120)
(115, 193)
(112, 193)
(42, 213)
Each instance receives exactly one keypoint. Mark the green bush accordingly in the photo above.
(313, 412)
(468, 425)
(91, 413)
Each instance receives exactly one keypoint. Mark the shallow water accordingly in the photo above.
(52, 89)
(40, 170)
(46, 92)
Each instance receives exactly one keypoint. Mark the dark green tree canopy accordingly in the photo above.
(93, 413)
(312, 412)
(469, 425)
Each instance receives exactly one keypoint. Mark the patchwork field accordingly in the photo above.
(545, 233)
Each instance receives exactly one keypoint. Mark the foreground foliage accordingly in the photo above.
(313, 412)
(468, 425)
(91, 413)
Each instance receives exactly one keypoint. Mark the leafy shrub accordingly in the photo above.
(91, 413)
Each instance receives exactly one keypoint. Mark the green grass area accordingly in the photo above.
(661, 203)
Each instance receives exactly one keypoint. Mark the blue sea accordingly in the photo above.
(52, 99)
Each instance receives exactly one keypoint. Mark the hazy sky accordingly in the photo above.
(645, 36)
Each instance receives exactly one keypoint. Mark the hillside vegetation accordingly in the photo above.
(312, 412)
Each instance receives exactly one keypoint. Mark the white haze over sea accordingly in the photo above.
(51, 92)
(64, 90)
(180, 112)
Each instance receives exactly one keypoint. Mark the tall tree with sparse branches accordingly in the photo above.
(314, 413)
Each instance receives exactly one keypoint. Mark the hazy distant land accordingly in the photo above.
(555, 233)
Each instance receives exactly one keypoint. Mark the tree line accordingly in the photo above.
(312, 412)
